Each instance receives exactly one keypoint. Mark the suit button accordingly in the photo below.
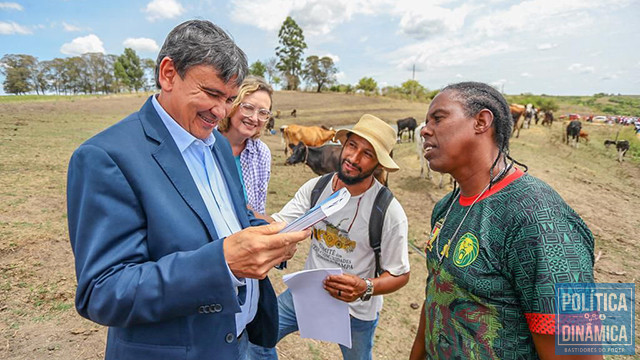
(217, 307)
(229, 338)
(201, 309)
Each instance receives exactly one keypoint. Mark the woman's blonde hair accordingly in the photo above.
(250, 85)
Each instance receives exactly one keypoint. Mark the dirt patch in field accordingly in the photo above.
(37, 279)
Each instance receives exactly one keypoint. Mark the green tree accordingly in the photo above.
(76, 76)
(132, 66)
(546, 104)
(367, 84)
(289, 52)
(18, 71)
(320, 71)
(39, 77)
(276, 80)
(258, 68)
(54, 74)
(149, 67)
(271, 66)
(121, 79)
(413, 89)
(345, 88)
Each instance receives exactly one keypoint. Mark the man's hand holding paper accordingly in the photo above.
(252, 252)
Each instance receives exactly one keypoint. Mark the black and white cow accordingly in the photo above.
(622, 146)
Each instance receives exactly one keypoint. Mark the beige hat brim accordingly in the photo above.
(383, 157)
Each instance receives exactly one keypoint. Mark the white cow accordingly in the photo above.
(423, 161)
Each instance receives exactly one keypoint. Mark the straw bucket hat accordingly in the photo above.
(379, 134)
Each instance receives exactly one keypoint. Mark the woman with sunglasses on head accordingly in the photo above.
(249, 113)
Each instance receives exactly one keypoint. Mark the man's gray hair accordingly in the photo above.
(200, 42)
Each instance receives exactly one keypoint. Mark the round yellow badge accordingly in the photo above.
(466, 250)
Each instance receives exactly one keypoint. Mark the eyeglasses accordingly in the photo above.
(248, 110)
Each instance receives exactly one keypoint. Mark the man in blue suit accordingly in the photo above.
(165, 251)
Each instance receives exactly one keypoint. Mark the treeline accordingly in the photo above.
(89, 73)
(93, 73)
(410, 89)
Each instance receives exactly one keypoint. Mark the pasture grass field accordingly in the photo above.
(37, 279)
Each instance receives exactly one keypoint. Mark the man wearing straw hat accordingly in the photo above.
(342, 240)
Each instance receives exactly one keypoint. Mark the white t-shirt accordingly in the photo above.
(343, 241)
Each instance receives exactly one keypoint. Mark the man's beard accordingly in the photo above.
(352, 180)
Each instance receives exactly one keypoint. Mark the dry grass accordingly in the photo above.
(37, 280)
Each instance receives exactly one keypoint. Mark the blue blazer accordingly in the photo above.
(149, 263)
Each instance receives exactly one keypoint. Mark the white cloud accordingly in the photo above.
(429, 21)
(265, 15)
(315, 17)
(444, 52)
(81, 45)
(11, 6)
(163, 9)
(9, 28)
(459, 76)
(609, 77)
(141, 44)
(364, 38)
(69, 27)
(546, 46)
(549, 17)
(340, 76)
(581, 69)
(526, 74)
(319, 18)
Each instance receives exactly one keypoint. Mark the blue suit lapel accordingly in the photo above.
(223, 154)
(170, 160)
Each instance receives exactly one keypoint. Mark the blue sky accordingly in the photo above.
(556, 47)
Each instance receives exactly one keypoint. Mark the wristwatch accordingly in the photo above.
(367, 293)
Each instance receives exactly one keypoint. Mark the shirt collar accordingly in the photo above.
(251, 146)
(182, 137)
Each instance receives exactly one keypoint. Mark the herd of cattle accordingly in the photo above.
(314, 145)
(523, 115)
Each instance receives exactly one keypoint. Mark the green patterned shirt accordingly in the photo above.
(496, 283)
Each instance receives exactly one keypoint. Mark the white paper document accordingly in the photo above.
(326, 208)
(320, 316)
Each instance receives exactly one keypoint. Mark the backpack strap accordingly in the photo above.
(319, 188)
(380, 205)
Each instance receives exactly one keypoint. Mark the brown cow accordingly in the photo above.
(548, 118)
(309, 135)
(583, 135)
(517, 112)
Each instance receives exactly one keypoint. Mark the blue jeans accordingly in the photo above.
(361, 334)
(243, 346)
